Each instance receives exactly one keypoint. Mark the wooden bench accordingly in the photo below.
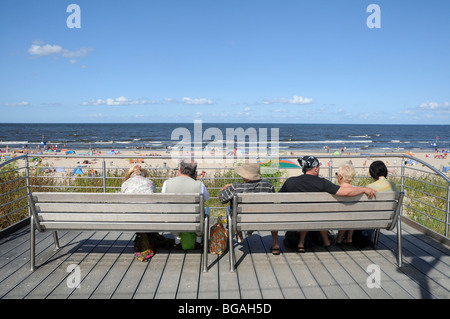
(118, 212)
(314, 211)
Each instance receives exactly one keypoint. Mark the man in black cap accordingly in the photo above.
(311, 182)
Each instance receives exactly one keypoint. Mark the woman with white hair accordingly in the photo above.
(345, 176)
(136, 182)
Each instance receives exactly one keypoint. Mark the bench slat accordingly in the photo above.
(114, 197)
(310, 207)
(300, 217)
(112, 226)
(105, 207)
(312, 197)
(337, 225)
(118, 217)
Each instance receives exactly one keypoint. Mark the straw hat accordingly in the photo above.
(249, 171)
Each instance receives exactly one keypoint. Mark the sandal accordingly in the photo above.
(275, 251)
(301, 250)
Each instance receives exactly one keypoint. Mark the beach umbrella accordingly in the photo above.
(286, 163)
(77, 171)
(282, 163)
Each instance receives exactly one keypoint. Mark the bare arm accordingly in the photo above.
(353, 191)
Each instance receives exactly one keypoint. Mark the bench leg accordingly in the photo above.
(230, 242)
(206, 244)
(55, 238)
(399, 242)
(377, 236)
(32, 244)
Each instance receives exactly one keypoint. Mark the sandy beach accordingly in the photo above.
(209, 162)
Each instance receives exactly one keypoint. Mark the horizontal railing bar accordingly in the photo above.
(429, 205)
(423, 192)
(14, 211)
(13, 180)
(13, 191)
(11, 202)
(429, 184)
(422, 213)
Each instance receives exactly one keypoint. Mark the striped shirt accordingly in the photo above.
(260, 186)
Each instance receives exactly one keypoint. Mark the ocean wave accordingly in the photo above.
(14, 142)
(326, 142)
(365, 136)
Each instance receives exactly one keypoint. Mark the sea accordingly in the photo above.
(362, 138)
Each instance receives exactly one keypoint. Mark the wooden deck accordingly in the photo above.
(108, 269)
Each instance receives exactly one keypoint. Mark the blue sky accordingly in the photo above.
(266, 61)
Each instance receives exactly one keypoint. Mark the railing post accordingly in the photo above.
(32, 229)
(27, 177)
(104, 175)
(447, 215)
(330, 170)
(402, 177)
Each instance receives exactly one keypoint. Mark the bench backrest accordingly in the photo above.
(314, 211)
(117, 211)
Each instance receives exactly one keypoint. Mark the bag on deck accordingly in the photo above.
(145, 245)
(218, 241)
(362, 238)
(291, 240)
(187, 240)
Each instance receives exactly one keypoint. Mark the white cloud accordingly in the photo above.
(23, 103)
(189, 101)
(76, 54)
(299, 100)
(44, 50)
(122, 100)
(170, 100)
(40, 49)
(434, 106)
(429, 108)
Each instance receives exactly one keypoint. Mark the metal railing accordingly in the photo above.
(427, 190)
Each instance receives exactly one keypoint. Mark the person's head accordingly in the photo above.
(346, 173)
(135, 171)
(309, 164)
(189, 168)
(249, 172)
(378, 169)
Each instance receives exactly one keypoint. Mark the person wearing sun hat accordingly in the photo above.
(311, 182)
(253, 183)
